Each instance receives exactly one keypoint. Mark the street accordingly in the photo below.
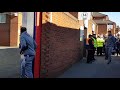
(98, 69)
(9, 62)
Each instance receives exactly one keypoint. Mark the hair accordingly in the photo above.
(90, 35)
(109, 31)
(98, 36)
(23, 29)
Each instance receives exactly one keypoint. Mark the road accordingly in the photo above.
(9, 62)
(98, 69)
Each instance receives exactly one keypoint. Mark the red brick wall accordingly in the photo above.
(75, 14)
(13, 30)
(99, 18)
(5, 32)
(102, 29)
(60, 49)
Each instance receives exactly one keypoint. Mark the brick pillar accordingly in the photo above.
(13, 30)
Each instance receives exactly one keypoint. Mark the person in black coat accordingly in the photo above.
(90, 49)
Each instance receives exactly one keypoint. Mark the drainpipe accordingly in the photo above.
(38, 31)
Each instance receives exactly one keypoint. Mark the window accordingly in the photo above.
(109, 27)
(2, 18)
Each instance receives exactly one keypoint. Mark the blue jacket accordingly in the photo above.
(110, 42)
(27, 44)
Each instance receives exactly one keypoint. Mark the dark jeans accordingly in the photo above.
(108, 53)
(117, 51)
(99, 50)
(90, 56)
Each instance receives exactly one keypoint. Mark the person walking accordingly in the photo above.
(110, 44)
(27, 51)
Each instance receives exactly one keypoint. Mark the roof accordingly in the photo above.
(97, 14)
(103, 22)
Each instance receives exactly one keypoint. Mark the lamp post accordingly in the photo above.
(84, 16)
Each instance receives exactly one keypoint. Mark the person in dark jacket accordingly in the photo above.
(90, 49)
(118, 47)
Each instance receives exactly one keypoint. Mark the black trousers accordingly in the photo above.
(99, 50)
(93, 53)
(117, 51)
(90, 56)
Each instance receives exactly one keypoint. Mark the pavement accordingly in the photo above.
(9, 62)
(98, 69)
(10, 66)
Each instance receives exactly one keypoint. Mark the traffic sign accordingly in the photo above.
(84, 15)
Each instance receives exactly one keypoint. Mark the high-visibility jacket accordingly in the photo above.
(95, 42)
(100, 42)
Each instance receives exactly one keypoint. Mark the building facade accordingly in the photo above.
(60, 46)
(9, 29)
(98, 24)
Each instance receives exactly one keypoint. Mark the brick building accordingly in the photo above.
(101, 23)
(98, 23)
(60, 46)
(117, 30)
(9, 28)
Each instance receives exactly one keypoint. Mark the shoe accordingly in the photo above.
(109, 62)
(89, 62)
(106, 58)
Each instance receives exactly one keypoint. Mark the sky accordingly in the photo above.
(113, 16)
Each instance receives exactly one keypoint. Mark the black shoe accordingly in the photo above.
(106, 58)
(109, 62)
(89, 62)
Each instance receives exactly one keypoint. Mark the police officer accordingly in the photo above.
(95, 45)
(100, 43)
(27, 48)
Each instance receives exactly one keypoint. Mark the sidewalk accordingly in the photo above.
(98, 69)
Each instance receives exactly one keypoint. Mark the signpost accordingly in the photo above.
(84, 16)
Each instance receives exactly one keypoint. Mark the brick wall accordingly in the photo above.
(5, 32)
(100, 18)
(89, 31)
(102, 29)
(60, 45)
(60, 49)
(13, 31)
(64, 20)
(75, 14)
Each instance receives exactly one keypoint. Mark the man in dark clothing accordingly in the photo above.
(118, 47)
(90, 49)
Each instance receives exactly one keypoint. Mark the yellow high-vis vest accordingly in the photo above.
(95, 42)
(100, 42)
